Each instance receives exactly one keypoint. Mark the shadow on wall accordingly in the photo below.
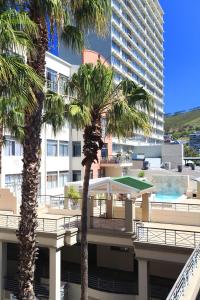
(171, 184)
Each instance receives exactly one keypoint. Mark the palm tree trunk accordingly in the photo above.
(84, 230)
(1, 144)
(31, 164)
(92, 144)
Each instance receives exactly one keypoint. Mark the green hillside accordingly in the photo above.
(188, 122)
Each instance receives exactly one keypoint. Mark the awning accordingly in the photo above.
(113, 185)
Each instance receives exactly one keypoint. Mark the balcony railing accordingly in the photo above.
(186, 276)
(175, 206)
(169, 237)
(116, 160)
(44, 224)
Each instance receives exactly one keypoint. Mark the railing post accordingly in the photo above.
(175, 238)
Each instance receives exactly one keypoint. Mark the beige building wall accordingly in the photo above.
(8, 201)
(113, 171)
(114, 259)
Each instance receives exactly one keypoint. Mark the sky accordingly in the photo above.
(182, 54)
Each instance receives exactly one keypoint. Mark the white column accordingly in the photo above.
(3, 266)
(143, 279)
(54, 273)
(129, 214)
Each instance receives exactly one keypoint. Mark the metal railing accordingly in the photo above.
(188, 207)
(169, 237)
(41, 290)
(107, 285)
(114, 159)
(44, 224)
(178, 290)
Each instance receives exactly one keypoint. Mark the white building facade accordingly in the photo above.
(57, 151)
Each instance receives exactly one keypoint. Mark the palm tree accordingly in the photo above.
(70, 19)
(126, 108)
(16, 32)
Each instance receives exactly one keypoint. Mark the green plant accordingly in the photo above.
(73, 194)
(141, 174)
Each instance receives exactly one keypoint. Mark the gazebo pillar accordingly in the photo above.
(109, 207)
(129, 214)
(146, 207)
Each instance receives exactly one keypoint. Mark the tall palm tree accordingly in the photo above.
(70, 18)
(126, 108)
(16, 32)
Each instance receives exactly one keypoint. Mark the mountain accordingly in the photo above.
(183, 122)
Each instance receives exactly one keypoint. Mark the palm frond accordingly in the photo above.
(16, 31)
(92, 15)
(73, 37)
(54, 109)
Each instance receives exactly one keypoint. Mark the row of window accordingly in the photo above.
(54, 148)
(135, 52)
(156, 49)
(54, 179)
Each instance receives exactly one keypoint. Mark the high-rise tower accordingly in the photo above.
(134, 47)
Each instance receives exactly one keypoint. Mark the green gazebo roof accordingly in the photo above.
(134, 183)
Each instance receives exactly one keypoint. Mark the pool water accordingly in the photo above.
(167, 197)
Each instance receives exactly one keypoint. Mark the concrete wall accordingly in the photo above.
(175, 217)
(172, 153)
(114, 259)
(170, 184)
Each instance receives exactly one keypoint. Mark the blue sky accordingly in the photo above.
(182, 54)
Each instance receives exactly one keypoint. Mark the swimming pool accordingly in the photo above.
(167, 197)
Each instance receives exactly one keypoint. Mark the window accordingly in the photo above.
(120, 249)
(63, 148)
(52, 148)
(76, 175)
(52, 180)
(76, 149)
(63, 84)
(13, 148)
(52, 83)
(13, 180)
(63, 178)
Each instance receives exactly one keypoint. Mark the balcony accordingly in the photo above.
(116, 161)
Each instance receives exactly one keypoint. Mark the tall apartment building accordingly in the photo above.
(134, 48)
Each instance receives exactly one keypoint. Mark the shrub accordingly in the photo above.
(141, 174)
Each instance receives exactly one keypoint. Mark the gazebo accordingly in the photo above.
(133, 187)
